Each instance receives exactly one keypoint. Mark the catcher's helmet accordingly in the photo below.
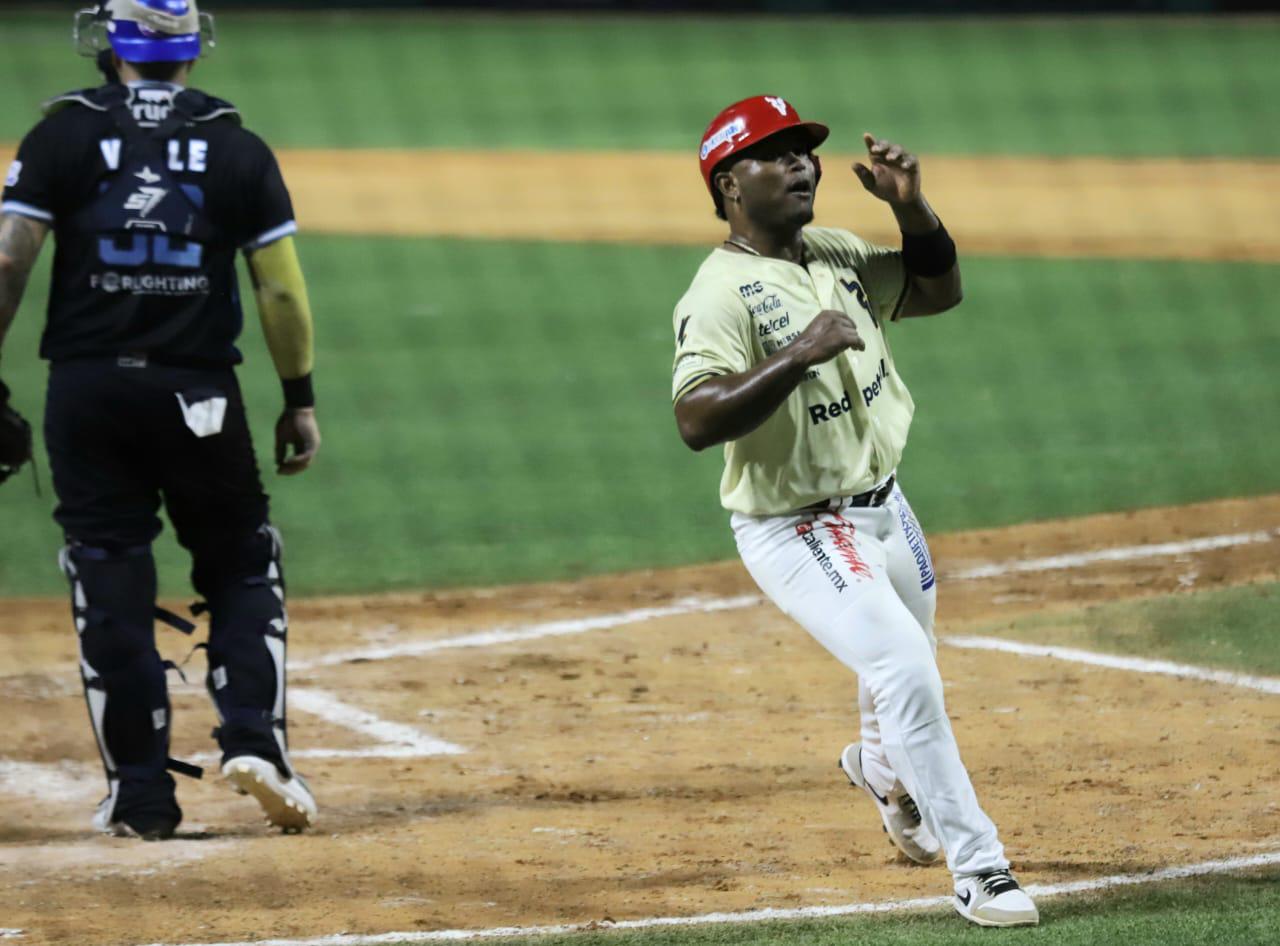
(144, 30)
(744, 123)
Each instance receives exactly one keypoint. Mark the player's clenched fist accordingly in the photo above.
(830, 333)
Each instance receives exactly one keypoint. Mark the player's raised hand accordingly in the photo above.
(893, 174)
(296, 428)
(830, 333)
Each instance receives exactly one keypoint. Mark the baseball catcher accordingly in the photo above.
(151, 188)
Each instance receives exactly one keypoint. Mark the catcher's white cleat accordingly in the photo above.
(994, 899)
(898, 811)
(288, 802)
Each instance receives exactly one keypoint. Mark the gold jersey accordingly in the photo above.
(844, 427)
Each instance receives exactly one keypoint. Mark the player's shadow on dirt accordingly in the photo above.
(205, 834)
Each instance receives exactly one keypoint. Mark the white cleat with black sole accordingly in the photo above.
(995, 899)
(898, 811)
(287, 802)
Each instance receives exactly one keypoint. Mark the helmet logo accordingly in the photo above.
(728, 133)
(778, 103)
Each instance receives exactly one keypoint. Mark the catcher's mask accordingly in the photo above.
(748, 122)
(144, 30)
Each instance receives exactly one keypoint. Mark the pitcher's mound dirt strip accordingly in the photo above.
(1150, 208)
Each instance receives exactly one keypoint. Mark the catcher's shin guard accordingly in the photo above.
(113, 602)
(248, 629)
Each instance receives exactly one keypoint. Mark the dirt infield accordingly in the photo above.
(1138, 208)
(1207, 209)
(622, 750)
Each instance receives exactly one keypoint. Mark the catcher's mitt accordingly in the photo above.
(15, 437)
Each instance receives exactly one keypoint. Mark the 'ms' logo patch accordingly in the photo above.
(15, 172)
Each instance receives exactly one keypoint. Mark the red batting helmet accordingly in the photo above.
(744, 123)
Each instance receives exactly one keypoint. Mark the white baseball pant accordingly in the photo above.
(860, 580)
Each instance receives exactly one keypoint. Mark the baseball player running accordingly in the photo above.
(782, 356)
(150, 189)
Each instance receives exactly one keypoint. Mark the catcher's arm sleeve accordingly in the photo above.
(283, 306)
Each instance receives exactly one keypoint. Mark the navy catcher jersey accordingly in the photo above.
(147, 227)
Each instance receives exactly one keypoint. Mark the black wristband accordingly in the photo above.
(929, 254)
(298, 392)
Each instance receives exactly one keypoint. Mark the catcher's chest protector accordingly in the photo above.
(142, 266)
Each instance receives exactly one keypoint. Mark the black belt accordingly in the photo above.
(142, 359)
(871, 498)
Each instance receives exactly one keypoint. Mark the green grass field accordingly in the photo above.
(1087, 86)
(473, 437)
(500, 411)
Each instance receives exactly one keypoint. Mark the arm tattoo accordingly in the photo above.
(20, 242)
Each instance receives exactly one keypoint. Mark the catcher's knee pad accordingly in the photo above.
(113, 601)
(248, 628)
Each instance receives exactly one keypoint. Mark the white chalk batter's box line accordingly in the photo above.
(388, 739)
(403, 741)
(1039, 891)
(701, 605)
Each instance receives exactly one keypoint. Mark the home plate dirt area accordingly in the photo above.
(644, 745)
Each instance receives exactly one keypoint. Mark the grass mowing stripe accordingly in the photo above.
(1017, 86)
(497, 412)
